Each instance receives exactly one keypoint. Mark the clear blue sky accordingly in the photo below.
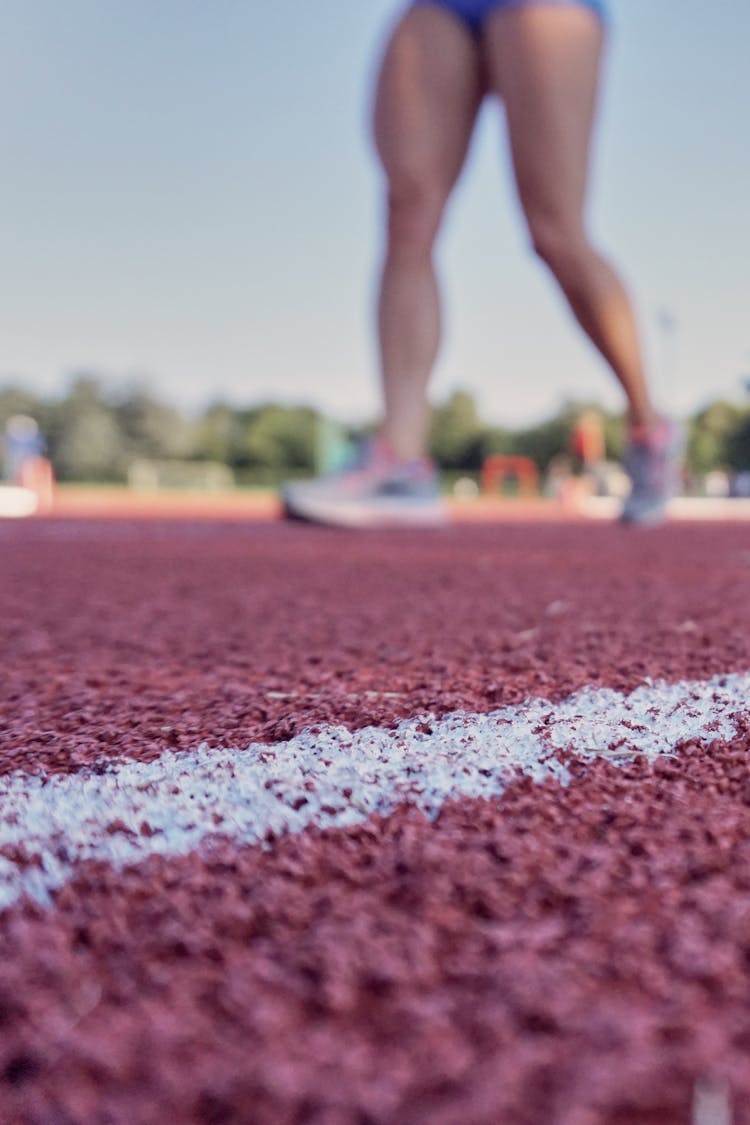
(188, 195)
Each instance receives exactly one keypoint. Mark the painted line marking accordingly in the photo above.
(128, 810)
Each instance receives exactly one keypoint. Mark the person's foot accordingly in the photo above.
(379, 490)
(653, 460)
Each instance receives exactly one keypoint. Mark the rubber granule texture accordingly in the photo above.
(567, 956)
(126, 639)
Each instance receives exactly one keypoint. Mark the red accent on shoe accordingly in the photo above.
(655, 436)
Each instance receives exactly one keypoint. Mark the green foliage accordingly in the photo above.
(265, 442)
(455, 437)
(85, 442)
(710, 434)
(13, 400)
(214, 434)
(738, 444)
(94, 435)
(149, 428)
(615, 436)
(271, 441)
(496, 440)
(543, 442)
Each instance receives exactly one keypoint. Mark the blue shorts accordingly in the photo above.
(474, 12)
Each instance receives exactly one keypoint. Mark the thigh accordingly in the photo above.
(428, 93)
(544, 61)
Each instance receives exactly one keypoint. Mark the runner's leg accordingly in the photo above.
(543, 60)
(428, 94)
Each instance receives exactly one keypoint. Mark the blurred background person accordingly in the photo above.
(22, 444)
(25, 463)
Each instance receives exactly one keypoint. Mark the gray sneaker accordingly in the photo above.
(377, 491)
(653, 466)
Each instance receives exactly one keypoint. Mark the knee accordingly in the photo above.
(414, 214)
(562, 246)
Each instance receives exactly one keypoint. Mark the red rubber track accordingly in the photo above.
(557, 956)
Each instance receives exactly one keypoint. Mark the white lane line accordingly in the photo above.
(333, 777)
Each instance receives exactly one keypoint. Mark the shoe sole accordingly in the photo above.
(654, 518)
(363, 516)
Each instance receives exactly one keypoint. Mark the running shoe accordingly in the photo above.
(653, 461)
(378, 490)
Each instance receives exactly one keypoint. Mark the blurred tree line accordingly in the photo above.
(94, 432)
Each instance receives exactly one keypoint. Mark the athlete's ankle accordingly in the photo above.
(644, 425)
(398, 450)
